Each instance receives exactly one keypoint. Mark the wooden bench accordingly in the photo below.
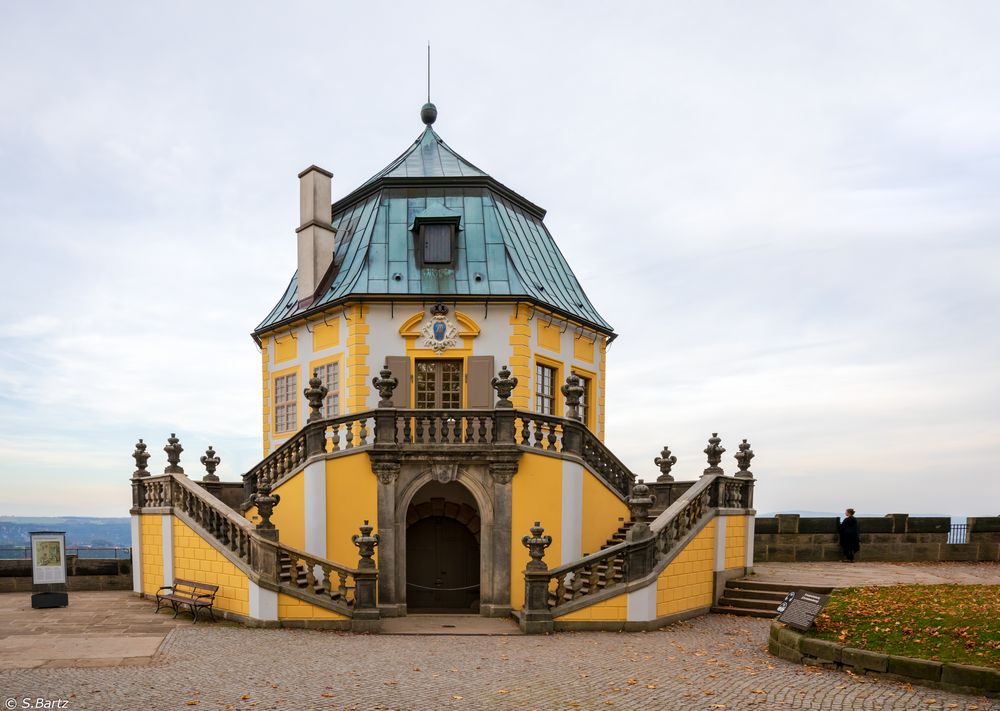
(187, 593)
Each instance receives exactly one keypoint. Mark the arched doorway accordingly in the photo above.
(442, 550)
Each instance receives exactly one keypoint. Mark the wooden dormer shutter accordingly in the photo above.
(400, 367)
(480, 393)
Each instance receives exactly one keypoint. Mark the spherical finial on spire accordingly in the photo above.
(428, 113)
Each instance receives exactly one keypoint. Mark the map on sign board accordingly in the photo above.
(799, 609)
(48, 557)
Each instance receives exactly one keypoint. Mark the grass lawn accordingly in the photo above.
(948, 623)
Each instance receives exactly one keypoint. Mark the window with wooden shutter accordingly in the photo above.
(400, 367)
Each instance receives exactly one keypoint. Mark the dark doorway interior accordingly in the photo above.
(442, 558)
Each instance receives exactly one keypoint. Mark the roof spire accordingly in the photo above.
(428, 112)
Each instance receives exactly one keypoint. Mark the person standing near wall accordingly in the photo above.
(850, 536)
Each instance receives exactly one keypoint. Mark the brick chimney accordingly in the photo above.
(315, 234)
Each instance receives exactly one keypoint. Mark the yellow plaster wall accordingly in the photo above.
(291, 608)
(326, 334)
(357, 359)
(151, 541)
(612, 609)
(286, 347)
(583, 349)
(195, 559)
(601, 511)
(536, 495)
(736, 541)
(289, 514)
(265, 376)
(686, 584)
(351, 497)
(549, 336)
(520, 361)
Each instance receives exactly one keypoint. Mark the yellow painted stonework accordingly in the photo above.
(351, 497)
(686, 584)
(289, 515)
(520, 360)
(151, 546)
(326, 334)
(736, 541)
(549, 336)
(195, 559)
(536, 495)
(291, 608)
(286, 347)
(613, 609)
(357, 358)
(583, 348)
(602, 510)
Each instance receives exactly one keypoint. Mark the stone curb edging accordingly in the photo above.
(788, 644)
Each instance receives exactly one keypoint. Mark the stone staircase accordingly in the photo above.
(751, 598)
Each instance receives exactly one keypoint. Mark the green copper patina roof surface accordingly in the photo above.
(504, 249)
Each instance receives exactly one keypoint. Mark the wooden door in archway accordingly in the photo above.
(442, 566)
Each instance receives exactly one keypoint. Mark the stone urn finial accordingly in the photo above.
(315, 394)
(573, 391)
(640, 501)
(210, 461)
(265, 502)
(385, 383)
(141, 456)
(173, 449)
(536, 544)
(743, 458)
(665, 462)
(714, 450)
(366, 544)
(504, 385)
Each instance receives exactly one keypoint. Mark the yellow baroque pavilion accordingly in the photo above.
(433, 410)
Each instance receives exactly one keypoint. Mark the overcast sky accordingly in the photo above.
(790, 212)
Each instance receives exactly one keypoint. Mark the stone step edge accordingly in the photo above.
(742, 612)
(778, 587)
(794, 646)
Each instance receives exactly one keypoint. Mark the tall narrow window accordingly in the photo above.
(285, 389)
(545, 391)
(330, 375)
(585, 401)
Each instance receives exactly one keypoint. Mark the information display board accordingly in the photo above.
(48, 569)
(800, 608)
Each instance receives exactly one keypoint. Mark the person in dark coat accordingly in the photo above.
(850, 536)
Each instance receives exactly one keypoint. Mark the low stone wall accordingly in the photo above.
(82, 574)
(793, 646)
(788, 538)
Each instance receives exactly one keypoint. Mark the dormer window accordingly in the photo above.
(435, 234)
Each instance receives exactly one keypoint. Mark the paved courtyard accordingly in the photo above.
(858, 574)
(715, 662)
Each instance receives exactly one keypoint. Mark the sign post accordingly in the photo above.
(48, 569)
(799, 609)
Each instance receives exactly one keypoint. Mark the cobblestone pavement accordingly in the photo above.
(856, 574)
(714, 662)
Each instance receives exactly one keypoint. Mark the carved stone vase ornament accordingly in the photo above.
(366, 544)
(439, 333)
(536, 544)
(504, 385)
(316, 393)
(665, 462)
(640, 501)
(173, 449)
(714, 452)
(265, 502)
(210, 461)
(743, 458)
(385, 383)
(141, 456)
(573, 393)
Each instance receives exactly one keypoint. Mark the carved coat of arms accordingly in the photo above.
(439, 333)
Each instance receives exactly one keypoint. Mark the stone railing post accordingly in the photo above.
(536, 618)
(639, 502)
(264, 559)
(665, 462)
(503, 414)
(141, 457)
(173, 449)
(385, 415)
(365, 615)
(265, 502)
(743, 458)
(714, 450)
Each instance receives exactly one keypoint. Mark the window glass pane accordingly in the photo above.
(544, 389)
(284, 403)
(330, 375)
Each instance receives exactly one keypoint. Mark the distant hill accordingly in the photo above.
(80, 530)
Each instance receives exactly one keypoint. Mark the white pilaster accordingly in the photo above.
(136, 555)
(642, 604)
(572, 512)
(168, 550)
(263, 603)
(314, 514)
(750, 528)
(720, 543)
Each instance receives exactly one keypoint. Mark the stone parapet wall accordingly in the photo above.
(789, 538)
(82, 574)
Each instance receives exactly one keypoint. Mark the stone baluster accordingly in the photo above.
(665, 462)
(210, 461)
(714, 450)
(536, 617)
(173, 449)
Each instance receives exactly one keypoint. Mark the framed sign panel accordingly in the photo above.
(48, 569)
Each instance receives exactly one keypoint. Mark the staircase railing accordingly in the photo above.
(350, 591)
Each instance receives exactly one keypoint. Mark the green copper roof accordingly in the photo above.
(504, 249)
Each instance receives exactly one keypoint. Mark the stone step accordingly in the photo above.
(742, 612)
(749, 604)
(777, 587)
(773, 595)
